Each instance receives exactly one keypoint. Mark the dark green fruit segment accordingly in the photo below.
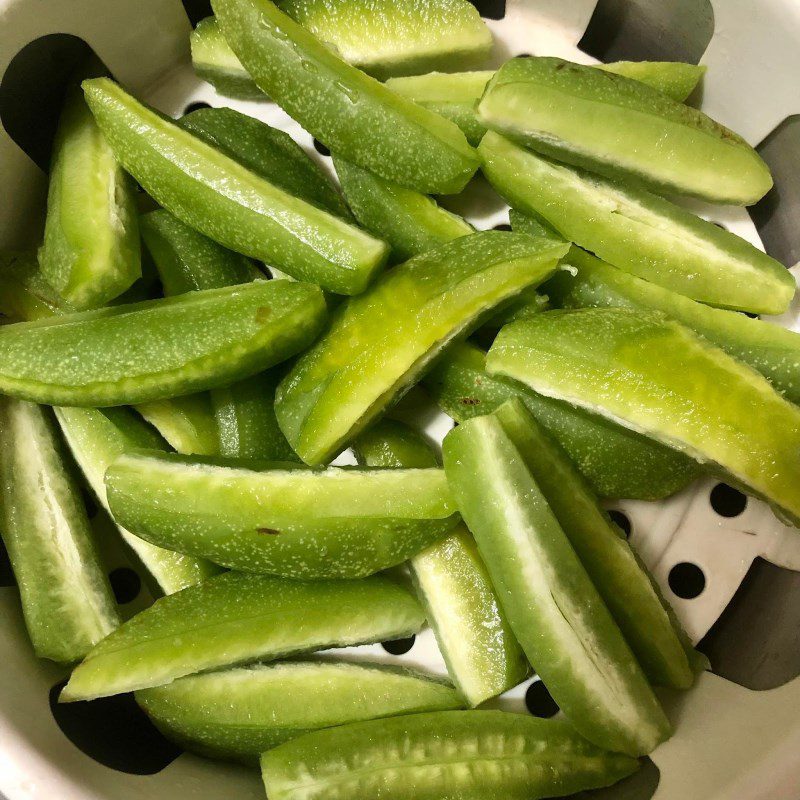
(386, 38)
(66, 600)
(351, 113)
(469, 755)
(482, 656)
(616, 461)
(215, 62)
(235, 619)
(380, 343)
(24, 292)
(619, 127)
(282, 519)
(455, 95)
(267, 151)
(553, 607)
(91, 239)
(187, 423)
(770, 349)
(228, 202)
(240, 713)
(96, 437)
(246, 423)
(657, 641)
(409, 221)
(657, 377)
(639, 232)
(188, 261)
(159, 348)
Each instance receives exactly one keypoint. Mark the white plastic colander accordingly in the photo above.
(708, 549)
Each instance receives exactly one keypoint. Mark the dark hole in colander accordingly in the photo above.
(399, 647)
(756, 640)
(32, 91)
(775, 215)
(197, 10)
(321, 149)
(6, 573)
(621, 520)
(115, 732)
(196, 106)
(490, 9)
(727, 501)
(539, 701)
(125, 584)
(686, 580)
(503, 226)
(649, 30)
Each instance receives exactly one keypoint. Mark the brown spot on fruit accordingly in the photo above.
(470, 401)
(267, 531)
(263, 314)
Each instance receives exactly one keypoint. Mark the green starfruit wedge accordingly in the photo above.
(455, 95)
(350, 112)
(187, 423)
(234, 619)
(66, 600)
(768, 348)
(267, 151)
(483, 658)
(448, 754)
(91, 238)
(97, 437)
(409, 221)
(618, 127)
(553, 607)
(239, 713)
(159, 348)
(639, 232)
(657, 377)
(651, 630)
(616, 461)
(379, 344)
(282, 519)
(229, 203)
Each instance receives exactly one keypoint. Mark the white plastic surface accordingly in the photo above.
(730, 744)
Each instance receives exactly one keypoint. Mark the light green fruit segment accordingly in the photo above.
(187, 423)
(96, 438)
(350, 112)
(229, 203)
(657, 640)
(282, 519)
(553, 608)
(246, 423)
(770, 349)
(456, 95)
(621, 128)
(469, 755)
(659, 378)
(66, 600)
(672, 78)
(409, 221)
(481, 653)
(91, 239)
(379, 344)
(639, 232)
(24, 293)
(234, 619)
(616, 461)
(267, 151)
(385, 38)
(187, 261)
(215, 62)
(240, 713)
(159, 348)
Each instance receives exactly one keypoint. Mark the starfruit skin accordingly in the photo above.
(661, 379)
(470, 755)
(379, 344)
(351, 113)
(618, 127)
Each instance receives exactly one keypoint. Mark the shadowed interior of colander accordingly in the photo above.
(754, 642)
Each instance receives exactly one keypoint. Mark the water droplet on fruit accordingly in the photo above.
(350, 93)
